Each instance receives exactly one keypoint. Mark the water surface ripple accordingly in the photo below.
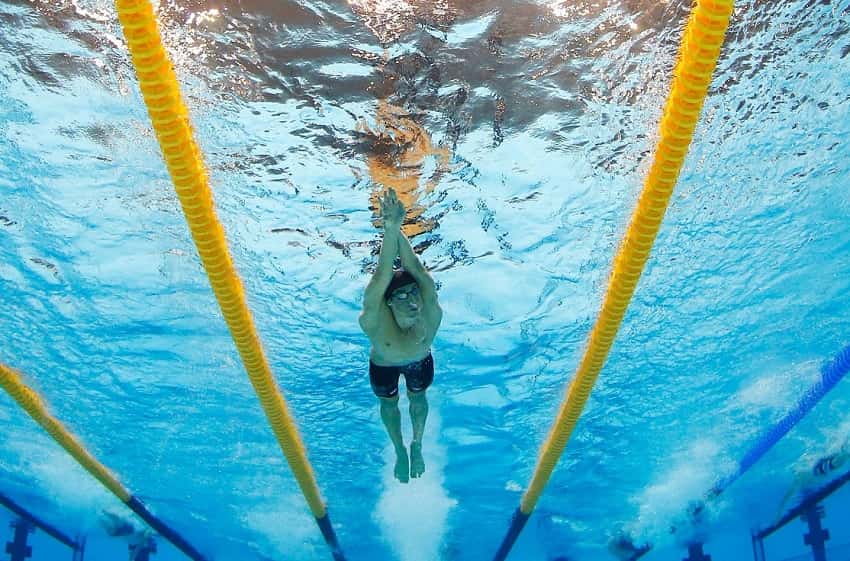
(542, 117)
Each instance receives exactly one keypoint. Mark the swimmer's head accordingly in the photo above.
(404, 299)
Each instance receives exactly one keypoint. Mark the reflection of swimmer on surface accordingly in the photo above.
(399, 148)
(401, 317)
(807, 480)
(140, 542)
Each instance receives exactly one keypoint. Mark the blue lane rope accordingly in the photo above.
(517, 524)
(328, 533)
(831, 374)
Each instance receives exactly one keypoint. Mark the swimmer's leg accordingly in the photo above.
(391, 417)
(418, 416)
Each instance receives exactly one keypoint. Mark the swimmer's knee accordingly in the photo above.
(388, 401)
(416, 395)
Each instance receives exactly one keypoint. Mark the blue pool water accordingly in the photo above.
(548, 111)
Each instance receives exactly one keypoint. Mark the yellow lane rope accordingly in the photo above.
(698, 56)
(32, 404)
(182, 155)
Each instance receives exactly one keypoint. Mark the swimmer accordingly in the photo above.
(806, 480)
(623, 547)
(141, 545)
(400, 317)
(139, 542)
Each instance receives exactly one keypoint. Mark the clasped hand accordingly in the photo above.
(392, 210)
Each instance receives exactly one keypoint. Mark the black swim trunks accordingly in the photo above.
(417, 375)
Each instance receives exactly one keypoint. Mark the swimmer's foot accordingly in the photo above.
(402, 467)
(417, 462)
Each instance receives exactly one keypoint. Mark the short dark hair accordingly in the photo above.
(400, 278)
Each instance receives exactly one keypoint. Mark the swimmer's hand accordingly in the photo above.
(392, 210)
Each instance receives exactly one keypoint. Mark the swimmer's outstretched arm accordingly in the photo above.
(411, 263)
(393, 214)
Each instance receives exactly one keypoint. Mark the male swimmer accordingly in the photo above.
(823, 469)
(400, 317)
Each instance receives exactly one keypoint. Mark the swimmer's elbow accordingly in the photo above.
(438, 316)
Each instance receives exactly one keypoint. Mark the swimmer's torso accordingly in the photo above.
(393, 347)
